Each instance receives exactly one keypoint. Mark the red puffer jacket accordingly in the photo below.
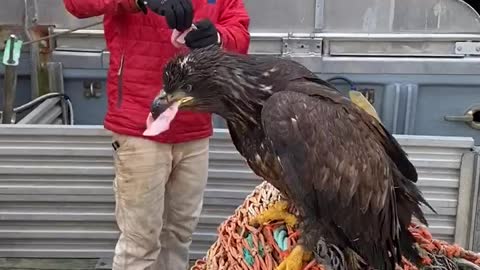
(140, 46)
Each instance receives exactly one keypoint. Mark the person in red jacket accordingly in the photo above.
(159, 181)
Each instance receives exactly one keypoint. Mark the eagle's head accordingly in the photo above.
(189, 80)
(207, 80)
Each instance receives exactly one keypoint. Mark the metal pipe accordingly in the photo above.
(336, 36)
(55, 81)
(35, 66)
(10, 85)
(31, 17)
(63, 32)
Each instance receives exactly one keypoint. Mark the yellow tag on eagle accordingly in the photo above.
(361, 101)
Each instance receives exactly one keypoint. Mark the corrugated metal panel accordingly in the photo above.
(439, 162)
(56, 189)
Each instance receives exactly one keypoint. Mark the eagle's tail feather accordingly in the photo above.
(408, 247)
(409, 199)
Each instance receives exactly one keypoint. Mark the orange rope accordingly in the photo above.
(242, 247)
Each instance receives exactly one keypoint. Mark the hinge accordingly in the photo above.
(302, 46)
(467, 48)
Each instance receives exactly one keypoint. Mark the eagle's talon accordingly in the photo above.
(296, 259)
(330, 256)
(278, 211)
(321, 248)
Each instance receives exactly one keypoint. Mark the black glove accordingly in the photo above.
(206, 34)
(178, 13)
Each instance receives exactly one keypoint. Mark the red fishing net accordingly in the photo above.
(243, 247)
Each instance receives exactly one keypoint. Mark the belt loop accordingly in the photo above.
(115, 145)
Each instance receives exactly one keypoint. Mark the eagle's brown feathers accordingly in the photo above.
(348, 176)
(334, 164)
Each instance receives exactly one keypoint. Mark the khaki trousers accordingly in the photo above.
(159, 196)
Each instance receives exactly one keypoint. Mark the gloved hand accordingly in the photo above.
(206, 34)
(178, 13)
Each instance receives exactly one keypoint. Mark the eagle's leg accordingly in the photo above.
(278, 211)
(296, 259)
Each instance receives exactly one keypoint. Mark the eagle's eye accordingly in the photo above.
(188, 88)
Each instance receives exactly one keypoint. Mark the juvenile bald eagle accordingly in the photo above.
(349, 178)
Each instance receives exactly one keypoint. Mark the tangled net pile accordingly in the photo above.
(244, 247)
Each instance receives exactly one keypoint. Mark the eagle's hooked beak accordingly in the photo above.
(164, 100)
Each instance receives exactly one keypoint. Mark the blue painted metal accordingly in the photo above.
(414, 104)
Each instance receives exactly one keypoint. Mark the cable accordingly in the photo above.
(40, 99)
(70, 109)
(340, 78)
(36, 101)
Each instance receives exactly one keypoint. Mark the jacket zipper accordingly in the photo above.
(120, 81)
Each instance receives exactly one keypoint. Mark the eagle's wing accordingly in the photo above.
(335, 166)
(394, 150)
